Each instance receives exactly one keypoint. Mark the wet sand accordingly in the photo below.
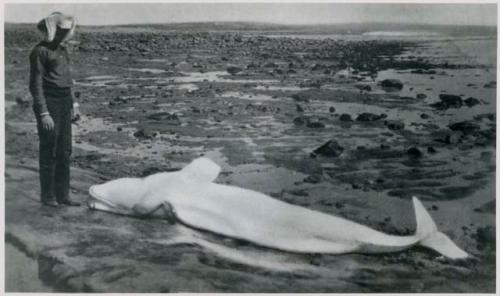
(259, 107)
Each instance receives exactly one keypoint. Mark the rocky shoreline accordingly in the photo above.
(350, 128)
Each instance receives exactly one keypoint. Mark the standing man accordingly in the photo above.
(54, 107)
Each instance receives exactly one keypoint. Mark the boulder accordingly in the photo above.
(471, 101)
(144, 134)
(364, 87)
(451, 101)
(299, 97)
(488, 207)
(392, 83)
(394, 125)
(331, 109)
(171, 118)
(345, 117)
(491, 84)
(422, 71)
(486, 236)
(421, 96)
(370, 117)
(465, 127)
(329, 149)
(313, 179)
(233, 70)
(315, 124)
(414, 152)
(301, 120)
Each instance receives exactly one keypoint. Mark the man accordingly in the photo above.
(54, 106)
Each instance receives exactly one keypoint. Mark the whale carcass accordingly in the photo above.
(192, 197)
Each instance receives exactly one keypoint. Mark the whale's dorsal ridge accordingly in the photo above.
(202, 169)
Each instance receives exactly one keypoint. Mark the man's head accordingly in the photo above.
(57, 27)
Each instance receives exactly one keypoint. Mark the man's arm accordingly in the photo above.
(37, 67)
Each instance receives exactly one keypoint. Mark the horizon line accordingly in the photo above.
(267, 23)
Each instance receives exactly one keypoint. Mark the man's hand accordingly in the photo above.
(75, 114)
(47, 123)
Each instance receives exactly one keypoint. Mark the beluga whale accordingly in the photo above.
(191, 197)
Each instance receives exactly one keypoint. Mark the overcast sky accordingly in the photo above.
(286, 13)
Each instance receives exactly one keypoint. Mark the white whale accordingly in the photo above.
(191, 196)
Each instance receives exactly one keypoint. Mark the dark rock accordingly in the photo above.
(339, 205)
(364, 87)
(313, 179)
(144, 134)
(233, 70)
(270, 65)
(491, 84)
(150, 171)
(355, 186)
(300, 98)
(315, 124)
(395, 125)
(451, 101)
(421, 96)
(370, 117)
(424, 116)
(422, 71)
(301, 120)
(431, 150)
(470, 102)
(414, 152)
(488, 207)
(489, 116)
(299, 108)
(345, 117)
(331, 109)
(465, 127)
(170, 118)
(195, 109)
(392, 83)
(329, 149)
(486, 235)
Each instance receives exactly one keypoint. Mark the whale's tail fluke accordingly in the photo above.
(431, 237)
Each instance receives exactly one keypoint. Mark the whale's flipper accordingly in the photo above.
(431, 237)
(202, 169)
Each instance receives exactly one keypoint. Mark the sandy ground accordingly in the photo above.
(261, 115)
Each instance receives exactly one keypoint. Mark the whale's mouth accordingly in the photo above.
(97, 201)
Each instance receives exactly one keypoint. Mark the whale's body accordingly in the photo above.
(245, 214)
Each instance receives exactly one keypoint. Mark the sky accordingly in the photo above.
(281, 13)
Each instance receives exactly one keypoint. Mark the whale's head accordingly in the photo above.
(119, 195)
(125, 194)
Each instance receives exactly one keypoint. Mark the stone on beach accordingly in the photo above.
(330, 149)
(392, 83)
(465, 127)
(370, 117)
(471, 101)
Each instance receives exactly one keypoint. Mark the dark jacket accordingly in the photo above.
(49, 70)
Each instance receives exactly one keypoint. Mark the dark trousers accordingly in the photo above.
(55, 146)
